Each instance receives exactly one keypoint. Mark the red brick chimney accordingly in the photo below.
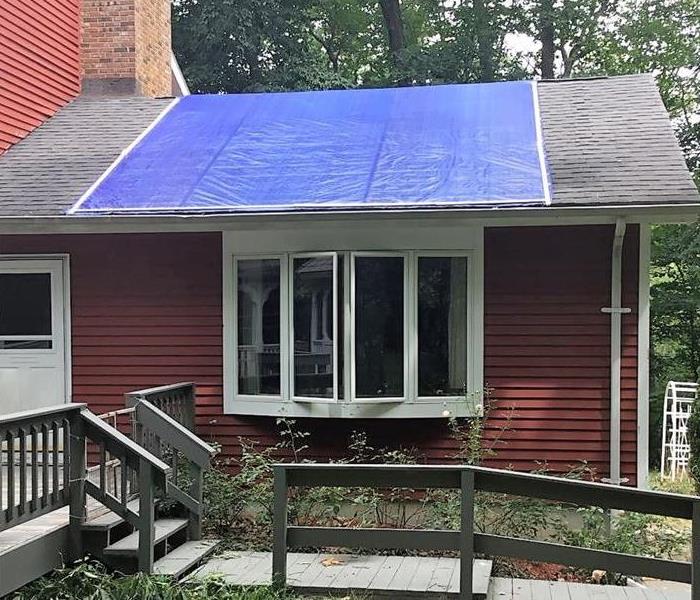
(126, 47)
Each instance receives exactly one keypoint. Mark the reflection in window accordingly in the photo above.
(442, 326)
(379, 326)
(25, 304)
(313, 326)
(259, 326)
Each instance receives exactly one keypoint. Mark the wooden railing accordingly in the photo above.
(176, 400)
(186, 455)
(35, 447)
(139, 473)
(470, 480)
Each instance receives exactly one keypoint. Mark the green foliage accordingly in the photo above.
(92, 581)
(694, 441)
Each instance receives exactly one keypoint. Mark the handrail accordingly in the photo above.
(468, 480)
(170, 426)
(177, 400)
(17, 418)
(138, 469)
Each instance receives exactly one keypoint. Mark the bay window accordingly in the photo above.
(354, 334)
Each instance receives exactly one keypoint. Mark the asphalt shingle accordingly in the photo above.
(608, 141)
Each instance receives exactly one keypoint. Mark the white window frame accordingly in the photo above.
(406, 329)
(408, 237)
(290, 293)
(284, 325)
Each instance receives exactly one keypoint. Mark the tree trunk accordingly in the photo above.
(393, 20)
(484, 38)
(547, 39)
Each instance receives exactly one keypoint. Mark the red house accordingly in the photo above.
(365, 259)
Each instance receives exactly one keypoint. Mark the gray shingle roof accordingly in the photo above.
(608, 142)
(45, 173)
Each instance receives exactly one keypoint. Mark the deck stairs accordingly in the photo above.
(125, 487)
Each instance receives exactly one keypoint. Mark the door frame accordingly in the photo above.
(64, 259)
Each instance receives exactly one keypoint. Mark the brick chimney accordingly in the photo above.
(126, 48)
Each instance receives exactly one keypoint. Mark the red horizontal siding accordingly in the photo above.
(147, 310)
(547, 346)
(39, 63)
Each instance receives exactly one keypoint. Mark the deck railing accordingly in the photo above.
(469, 480)
(35, 446)
(176, 400)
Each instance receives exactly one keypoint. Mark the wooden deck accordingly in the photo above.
(408, 577)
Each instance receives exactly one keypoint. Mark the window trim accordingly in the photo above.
(290, 339)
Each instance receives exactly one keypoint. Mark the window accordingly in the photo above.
(258, 332)
(25, 311)
(354, 334)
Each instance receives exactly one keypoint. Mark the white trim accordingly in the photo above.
(179, 77)
(643, 358)
(540, 144)
(67, 331)
(507, 217)
(122, 155)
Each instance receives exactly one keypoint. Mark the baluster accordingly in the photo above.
(103, 467)
(124, 472)
(68, 458)
(279, 527)
(2, 465)
(45, 465)
(22, 471)
(56, 458)
(35, 468)
(695, 558)
(466, 538)
(11, 501)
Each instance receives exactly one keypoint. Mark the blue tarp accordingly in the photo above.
(438, 146)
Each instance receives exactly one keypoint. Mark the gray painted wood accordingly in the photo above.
(184, 557)
(163, 529)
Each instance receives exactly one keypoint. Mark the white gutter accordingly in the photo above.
(616, 311)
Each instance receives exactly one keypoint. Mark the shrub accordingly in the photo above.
(694, 441)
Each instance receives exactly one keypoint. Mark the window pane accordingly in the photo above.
(442, 326)
(379, 322)
(259, 326)
(313, 326)
(25, 304)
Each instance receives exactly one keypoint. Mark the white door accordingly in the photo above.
(32, 334)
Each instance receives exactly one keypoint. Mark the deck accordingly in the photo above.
(409, 577)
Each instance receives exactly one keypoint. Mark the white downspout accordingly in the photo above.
(616, 311)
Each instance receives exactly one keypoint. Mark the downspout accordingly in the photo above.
(616, 311)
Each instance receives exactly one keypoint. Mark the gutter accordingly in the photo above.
(615, 310)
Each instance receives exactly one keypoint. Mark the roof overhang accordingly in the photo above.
(521, 216)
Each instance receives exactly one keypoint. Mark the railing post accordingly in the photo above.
(77, 471)
(695, 573)
(195, 520)
(466, 538)
(279, 527)
(146, 517)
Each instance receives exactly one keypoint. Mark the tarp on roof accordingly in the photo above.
(476, 145)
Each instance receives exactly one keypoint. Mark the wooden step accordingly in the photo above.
(129, 545)
(109, 520)
(183, 558)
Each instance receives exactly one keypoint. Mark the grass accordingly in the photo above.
(679, 486)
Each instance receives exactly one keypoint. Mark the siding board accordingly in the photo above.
(39, 63)
(147, 310)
